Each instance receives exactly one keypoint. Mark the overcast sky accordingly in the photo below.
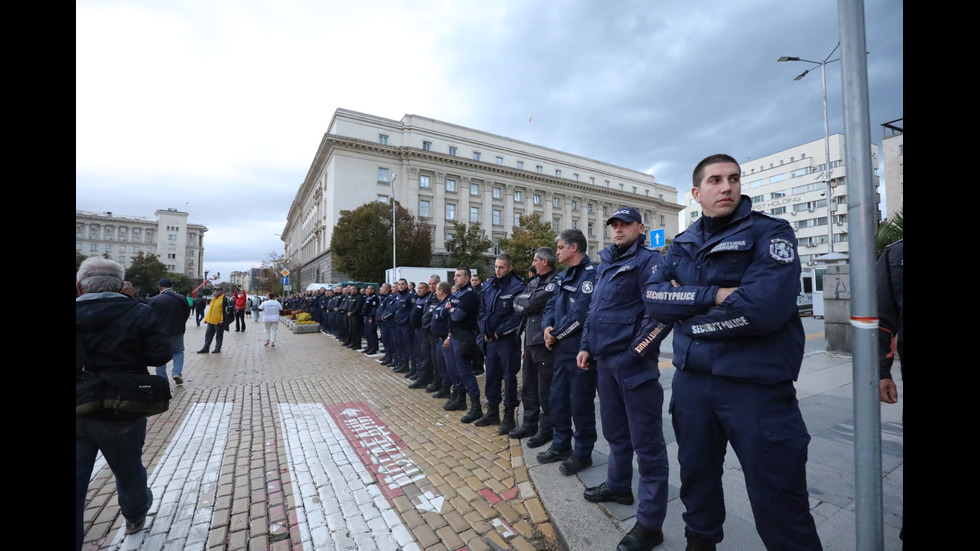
(217, 107)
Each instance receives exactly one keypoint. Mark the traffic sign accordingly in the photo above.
(284, 272)
(658, 238)
(284, 281)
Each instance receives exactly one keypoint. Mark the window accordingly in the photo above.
(520, 165)
(424, 181)
(474, 215)
(496, 217)
(591, 229)
(556, 223)
(537, 198)
(556, 202)
(382, 174)
(476, 155)
(424, 209)
(497, 193)
(382, 198)
(557, 173)
(591, 208)
(592, 180)
(474, 189)
(540, 169)
(777, 194)
(574, 206)
(500, 160)
(450, 212)
(93, 247)
(778, 210)
(496, 245)
(607, 183)
(799, 172)
(452, 150)
(517, 219)
(517, 196)
(757, 199)
(382, 139)
(662, 220)
(426, 146)
(575, 177)
(777, 178)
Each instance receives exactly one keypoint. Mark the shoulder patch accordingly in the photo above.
(590, 267)
(587, 287)
(781, 250)
(549, 287)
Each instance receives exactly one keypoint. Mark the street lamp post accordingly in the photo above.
(393, 253)
(826, 134)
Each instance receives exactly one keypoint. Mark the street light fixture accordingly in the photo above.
(826, 133)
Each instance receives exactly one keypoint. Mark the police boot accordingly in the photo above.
(434, 386)
(508, 422)
(492, 417)
(476, 411)
(457, 402)
(444, 391)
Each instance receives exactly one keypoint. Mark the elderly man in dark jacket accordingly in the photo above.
(113, 334)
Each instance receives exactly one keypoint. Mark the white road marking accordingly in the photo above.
(184, 484)
(338, 502)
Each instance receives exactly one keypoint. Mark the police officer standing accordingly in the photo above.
(538, 363)
(371, 303)
(625, 347)
(729, 284)
(499, 325)
(572, 388)
(464, 309)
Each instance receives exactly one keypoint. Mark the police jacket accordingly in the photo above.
(465, 306)
(497, 315)
(530, 304)
(891, 308)
(371, 304)
(418, 310)
(440, 318)
(356, 305)
(431, 301)
(386, 314)
(616, 313)
(756, 334)
(567, 310)
(402, 307)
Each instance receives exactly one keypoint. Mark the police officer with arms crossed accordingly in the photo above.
(572, 389)
(539, 362)
(625, 346)
(729, 284)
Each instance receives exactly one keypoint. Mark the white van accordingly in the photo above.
(318, 286)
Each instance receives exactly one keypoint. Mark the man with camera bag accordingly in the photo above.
(114, 335)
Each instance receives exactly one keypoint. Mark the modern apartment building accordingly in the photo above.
(444, 172)
(179, 245)
(793, 184)
(893, 157)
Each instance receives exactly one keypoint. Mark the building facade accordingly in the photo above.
(893, 157)
(177, 244)
(443, 172)
(793, 184)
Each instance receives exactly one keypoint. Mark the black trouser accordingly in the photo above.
(538, 366)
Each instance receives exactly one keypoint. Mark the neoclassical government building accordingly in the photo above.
(443, 172)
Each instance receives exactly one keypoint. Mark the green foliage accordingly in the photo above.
(79, 257)
(889, 231)
(145, 272)
(361, 242)
(529, 236)
(468, 248)
(182, 283)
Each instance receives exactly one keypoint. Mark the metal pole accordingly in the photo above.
(826, 149)
(393, 249)
(862, 215)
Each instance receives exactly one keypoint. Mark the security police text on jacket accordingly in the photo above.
(755, 335)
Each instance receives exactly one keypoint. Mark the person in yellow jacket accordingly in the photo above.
(219, 315)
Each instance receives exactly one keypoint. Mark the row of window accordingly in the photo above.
(110, 229)
(477, 156)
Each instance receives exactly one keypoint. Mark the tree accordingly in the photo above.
(145, 272)
(270, 276)
(889, 231)
(361, 242)
(468, 247)
(529, 236)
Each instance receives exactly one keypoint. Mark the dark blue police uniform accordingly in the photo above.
(463, 327)
(572, 389)
(625, 345)
(538, 362)
(736, 363)
(499, 325)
